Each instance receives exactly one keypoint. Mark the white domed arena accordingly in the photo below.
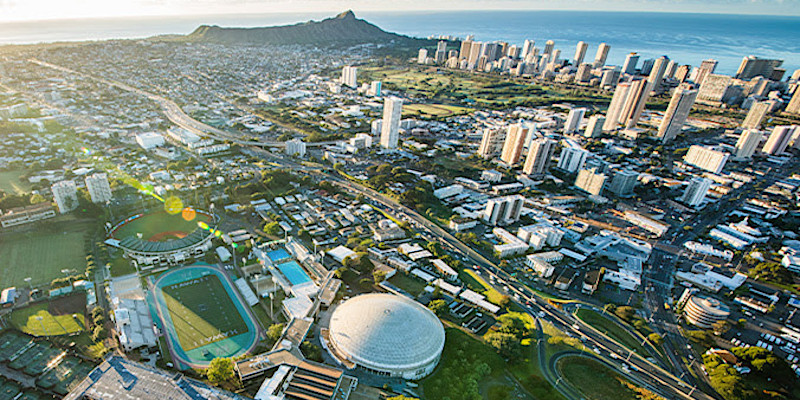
(386, 335)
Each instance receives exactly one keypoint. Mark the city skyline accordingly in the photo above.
(39, 10)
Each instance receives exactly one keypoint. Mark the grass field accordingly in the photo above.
(434, 110)
(202, 312)
(152, 225)
(411, 285)
(611, 329)
(594, 380)
(10, 182)
(41, 256)
(27, 320)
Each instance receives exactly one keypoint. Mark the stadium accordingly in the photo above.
(386, 335)
(163, 239)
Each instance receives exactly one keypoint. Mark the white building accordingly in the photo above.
(747, 143)
(98, 187)
(295, 147)
(492, 142)
(491, 176)
(448, 191)
(149, 140)
(574, 119)
(541, 150)
(594, 127)
(422, 55)
(655, 227)
(706, 158)
(390, 129)
(678, 110)
(511, 245)
(541, 234)
(696, 191)
(707, 249)
(779, 140)
(361, 141)
(503, 210)
(350, 76)
(590, 181)
(65, 194)
(572, 159)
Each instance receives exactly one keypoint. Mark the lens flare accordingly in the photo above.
(173, 205)
(188, 214)
(202, 225)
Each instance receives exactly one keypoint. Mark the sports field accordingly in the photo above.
(41, 319)
(160, 226)
(202, 312)
(40, 255)
(10, 182)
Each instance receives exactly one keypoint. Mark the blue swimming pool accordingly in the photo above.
(278, 255)
(294, 272)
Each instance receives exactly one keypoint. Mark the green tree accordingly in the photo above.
(378, 276)
(273, 228)
(506, 344)
(220, 370)
(274, 332)
(655, 339)
(311, 351)
(439, 307)
(625, 312)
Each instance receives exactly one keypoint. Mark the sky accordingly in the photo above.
(31, 10)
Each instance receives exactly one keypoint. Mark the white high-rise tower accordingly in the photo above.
(390, 131)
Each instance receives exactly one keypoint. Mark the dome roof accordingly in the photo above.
(387, 332)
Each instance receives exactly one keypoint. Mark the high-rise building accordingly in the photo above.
(441, 46)
(590, 181)
(390, 131)
(747, 143)
(610, 78)
(714, 87)
(602, 55)
(634, 103)
(527, 48)
(672, 68)
(707, 67)
(753, 66)
(98, 187)
(696, 191)
(656, 77)
(466, 48)
(629, 67)
(779, 140)
(548, 47)
(541, 150)
(295, 147)
(616, 106)
(584, 73)
(503, 210)
(574, 119)
(580, 53)
(422, 56)
(647, 66)
(678, 110)
(491, 142)
(682, 73)
(474, 55)
(623, 182)
(375, 88)
(65, 194)
(349, 76)
(706, 158)
(572, 159)
(594, 127)
(794, 104)
(515, 141)
(758, 111)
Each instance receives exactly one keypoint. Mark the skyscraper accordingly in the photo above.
(503, 210)
(779, 140)
(616, 106)
(656, 77)
(580, 53)
(747, 143)
(696, 191)
(527, 48)
(602, 55)
(707, 67)
(590, 181)
(539, 156)
(474, 55)
(572, 159)
(349, 76)
(682, 73)
(623, 182)
(466, 48)
(629, 67)
(574, 119)
(422, 56)
(610, 78)
(794, 104)
(672, 68)
(758, 111)
(491, 142)
(584, 73)
(390, 131)
(515, 141)
(548, 47)
(634, 103)
(98, 187)
(65, 194)
(678, 110)
(753, 66)
(594, 127)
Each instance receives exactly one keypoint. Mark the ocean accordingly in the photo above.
(685, 38)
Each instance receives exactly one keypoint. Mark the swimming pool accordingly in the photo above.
(294, 272)
(278, 255)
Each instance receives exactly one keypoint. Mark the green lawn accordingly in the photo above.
(27, 320)
(202, 312)
(413, 286)
(41, 255)
(594, 380)
(611, 329)
(10, 182)
(121, 266)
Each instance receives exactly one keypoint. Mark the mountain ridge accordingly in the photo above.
(343, 29)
